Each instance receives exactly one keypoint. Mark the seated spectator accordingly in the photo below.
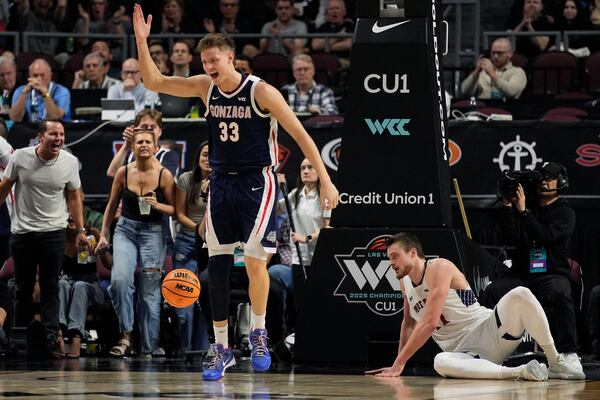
(243, 64)
(312, 12)
(573, 18)
(305, 95)
(146, 190)
(595, 12)
(181, 58)
(92, 219)
(6, 305)
(40, 98)
(146, 119)
(228, 22)
(103, 47)
(159, 56)
(8, 80)
(37, 16)
(496, 77)
(96, 18)
(284, 24)
(190, 206)
(531, 19)
(132, 86)
(335, 22)
(175, 20)
(93, 75)
(78, 289)
(8, 54)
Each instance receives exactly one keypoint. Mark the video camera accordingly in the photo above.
(509, 182)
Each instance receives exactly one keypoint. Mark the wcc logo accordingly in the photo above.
(368, 278)
(393, 126)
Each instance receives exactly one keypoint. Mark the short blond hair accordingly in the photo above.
(220, 40)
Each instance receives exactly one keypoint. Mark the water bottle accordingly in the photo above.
(5, 106)
(82, 253)
(91, 256)
(35, 107)
(472, 104)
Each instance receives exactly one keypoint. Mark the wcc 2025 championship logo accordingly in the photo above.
(369, 279)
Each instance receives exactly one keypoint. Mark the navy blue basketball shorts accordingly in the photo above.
(242, 209)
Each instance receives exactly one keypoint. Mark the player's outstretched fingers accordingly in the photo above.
(374, 371)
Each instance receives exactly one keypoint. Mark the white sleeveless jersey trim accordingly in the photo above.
(460, 314)
(210, 89)
(243, 84)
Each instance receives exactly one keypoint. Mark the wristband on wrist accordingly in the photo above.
(308, 238)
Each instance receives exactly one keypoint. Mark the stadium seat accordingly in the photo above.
(73, 64)
(492, 110)
(560, 117)
(519, 60)
(275, 69)
(577, 112)
(463, 105)
(23, 60)
(592, 73)
(575, 96)
(326, 68)
(553, 73)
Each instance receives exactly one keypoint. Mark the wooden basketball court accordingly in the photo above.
(99, 378)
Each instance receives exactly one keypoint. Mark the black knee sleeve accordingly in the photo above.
(218, 270)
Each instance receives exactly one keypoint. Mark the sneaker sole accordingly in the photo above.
(566, 375)
(230, 364)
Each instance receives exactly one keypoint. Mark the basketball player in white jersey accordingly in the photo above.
(475, 340)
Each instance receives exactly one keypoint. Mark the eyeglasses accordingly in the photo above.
(129, 72)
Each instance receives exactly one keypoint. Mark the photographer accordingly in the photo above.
(541, 237)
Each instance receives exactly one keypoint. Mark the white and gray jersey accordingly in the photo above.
(460, 314)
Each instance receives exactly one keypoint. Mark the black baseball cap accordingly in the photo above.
(550, 169)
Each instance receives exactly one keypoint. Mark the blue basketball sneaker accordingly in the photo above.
(260, 359)
(220, 361)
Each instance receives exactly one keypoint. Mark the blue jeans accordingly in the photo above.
(283, 274)
(138, 244)
(75, 298)
(185, 257)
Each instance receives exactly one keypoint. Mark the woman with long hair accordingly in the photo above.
(190, 207)
(146, 189)
(309, 218)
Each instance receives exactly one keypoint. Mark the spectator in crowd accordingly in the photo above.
(146, 119)
(595, 12)
(335, 22)
(309, 218)
(190, 207)
(312, 12)
(8, 54)
(103, 47)
(159, 56)
(305, 95)
(541, 238)
(229, 23)
(243, 63)
(181, 58)
(96, 18)
(5, 307)
(175, 20)
(573, 17)
(6, 151)
(47, 187)
(284, 24)
(93, 75)
(146, 190)
(8, 81)
(132, 86)
(40, 98)
(91, 218)
(37, 16)
(496, 77)
(531, 19)
(78, 287)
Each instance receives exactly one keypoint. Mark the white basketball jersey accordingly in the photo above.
(461, 312)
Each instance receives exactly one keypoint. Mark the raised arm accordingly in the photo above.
(271, 99)
(193, 86)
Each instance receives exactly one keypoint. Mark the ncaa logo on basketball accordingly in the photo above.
(369, 279)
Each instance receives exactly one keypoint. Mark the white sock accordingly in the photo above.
(550, 352)
(257, 321)
(221, 336)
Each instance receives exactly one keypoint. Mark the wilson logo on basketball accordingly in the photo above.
(455, 152)
(368, 278)
(589, 155)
